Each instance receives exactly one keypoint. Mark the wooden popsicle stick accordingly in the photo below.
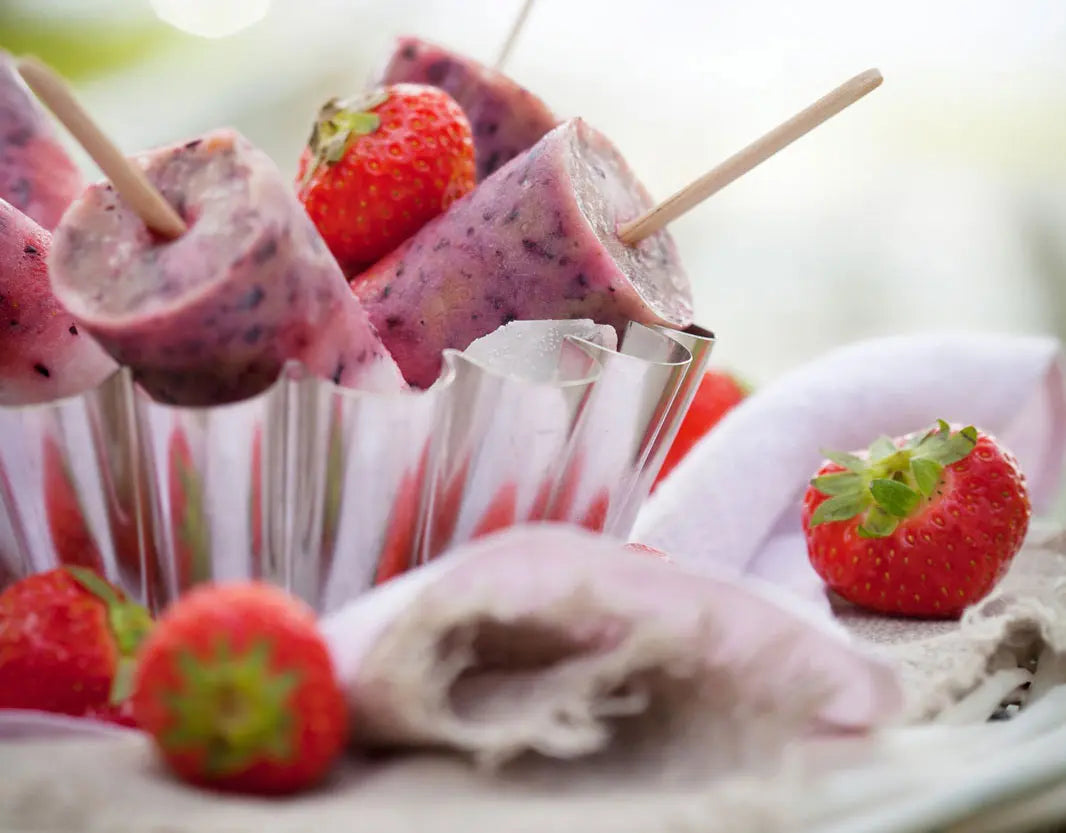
(512, 36)
(128, 179)
(751, 156)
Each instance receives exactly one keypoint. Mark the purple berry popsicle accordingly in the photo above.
(536, 240)
(212, 316)
(43, 354)
(506, 118)
(36, 175)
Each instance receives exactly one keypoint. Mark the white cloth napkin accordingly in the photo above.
(552, 639)
(734, 501)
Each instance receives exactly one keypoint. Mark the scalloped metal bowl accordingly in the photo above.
(328, 491)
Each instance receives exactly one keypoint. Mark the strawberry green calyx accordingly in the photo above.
(339, 123)
(891, 482)
(129, 623)
(234, 707)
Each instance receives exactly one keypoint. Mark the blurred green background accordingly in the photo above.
(937, 202)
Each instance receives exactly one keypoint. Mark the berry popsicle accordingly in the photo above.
(505, 117)
(43, 354)
(536, 240)
(36, 175)
(212, 316)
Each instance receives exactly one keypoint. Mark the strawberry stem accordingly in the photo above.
(94, 584)
(339, 123)
(892, 482)
(236, 707)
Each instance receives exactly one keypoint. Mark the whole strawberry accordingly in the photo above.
(924, 525)
(379, 166)
(237, 688)
(718, 393)
(187, 522)
(71, 538)
(67, 644)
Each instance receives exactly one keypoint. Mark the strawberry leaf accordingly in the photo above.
(122, 682)
(838, 483)
(945, 449)
(894, 497)
(840, 508)
(848, 461)
(936, 435)
(361, 101)
(926, 474)
(94, 584)
(916, 439)
(882, 447)
(338, 125)
(129, 623)
(878, 524)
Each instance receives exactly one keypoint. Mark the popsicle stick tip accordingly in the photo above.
(872, 77)
(28, 64)
(512, 35)
(833, 102)
(129, 180)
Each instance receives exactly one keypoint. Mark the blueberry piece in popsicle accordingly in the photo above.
(212, 316)
(536, 240)
(505, 117)
(36, 175)
(43, 354)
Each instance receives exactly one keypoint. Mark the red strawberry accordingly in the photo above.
(187, 523)
(67, 641)
(449, 500)
(237, 688)
(380, 166)
(398, 550)
(718, 393)
(924, 525)
(501, 512)
(595, 517)
(71, 537)
(561, 506)
(539, 510)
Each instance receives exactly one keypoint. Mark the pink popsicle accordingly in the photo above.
(537, 239)
(36, 175)
(506, 118)
(43, 354)
(212, 316)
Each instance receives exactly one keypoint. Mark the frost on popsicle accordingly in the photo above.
(533, 350)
